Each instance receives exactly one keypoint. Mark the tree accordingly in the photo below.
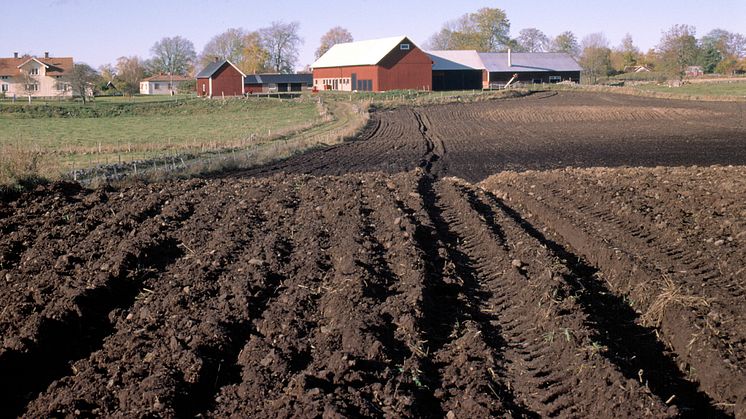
(566, 42)
(678, 49)
(485, 30)
(130, 71)
(174, 56)
(630, 53)
(254, 56)
(281, 40)
(532, 40)
(82, 80)
(228, 45)
(595, 58)
(720, 51)
(335, 35)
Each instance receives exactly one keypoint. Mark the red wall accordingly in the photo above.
(227, 81)
(410, 69)
(206, 84)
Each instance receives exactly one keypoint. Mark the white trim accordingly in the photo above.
(33, 59)
(210, 86)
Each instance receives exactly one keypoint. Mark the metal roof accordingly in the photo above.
(369, 52)
(278, 78)
(213, 67)
(456, 60)
(529, 61)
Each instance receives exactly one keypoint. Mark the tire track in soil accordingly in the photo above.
(121, 376)
(615, 323)
(555, 367)
(466, 353)
(627, 272)
(61, 335)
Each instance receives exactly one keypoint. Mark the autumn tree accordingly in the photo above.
(721, 51)
(335, 35)
(595, 57)
(678, 49)
(532, 40)
(486, 30)
(243, 48)
(281, 40)
(82, 80)
(175, 56)
(566, 42)
(130, 71)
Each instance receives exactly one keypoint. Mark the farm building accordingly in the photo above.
(376, 65)
(531, 67)
(456, 70)
(220, 78)
(162, 84)
(264, 83)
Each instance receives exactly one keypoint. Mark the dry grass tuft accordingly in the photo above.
(671, 295)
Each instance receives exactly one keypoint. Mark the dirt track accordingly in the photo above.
(578, 293)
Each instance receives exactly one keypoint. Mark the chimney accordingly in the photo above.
(217, 58)
(510, 58)
(15, 55)
(46, 54)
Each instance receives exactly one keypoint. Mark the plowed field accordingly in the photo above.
(393, 289)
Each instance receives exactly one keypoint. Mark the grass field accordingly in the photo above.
(705, 89)
(67, 135)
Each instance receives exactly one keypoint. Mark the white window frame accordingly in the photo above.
(4, 87)
(555, 79)
(34, 71)
(405, 47)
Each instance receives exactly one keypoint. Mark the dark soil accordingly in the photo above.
(396, 294)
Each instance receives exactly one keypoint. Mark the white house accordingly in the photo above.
(162, 84)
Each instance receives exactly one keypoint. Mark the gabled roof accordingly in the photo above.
(55, 65)
(213, 67)
(167, 78)
(529, 61)
(456, 60)
(278, 78)
(369, 52)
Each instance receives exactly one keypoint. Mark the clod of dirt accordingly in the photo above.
(516, 263)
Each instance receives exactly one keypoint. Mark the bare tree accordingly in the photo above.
(533, 40)
(281, 40)
(596, 57)
(130, 71)
(335, 35)
(174, 56)
(82, 80)
(228, 45)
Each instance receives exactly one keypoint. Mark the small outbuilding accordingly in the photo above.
(220, 78)
(375, 65)
(163, 84)
(266, 83)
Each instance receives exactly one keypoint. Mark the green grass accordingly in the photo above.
(700, 89)
(108, 131)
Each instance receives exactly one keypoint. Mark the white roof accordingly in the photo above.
(456, 60)
(369, 52)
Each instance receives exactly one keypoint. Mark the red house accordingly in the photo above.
(376, 65)
(220, 78)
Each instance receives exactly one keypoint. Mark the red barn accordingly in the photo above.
(220, 78)
(376, 65)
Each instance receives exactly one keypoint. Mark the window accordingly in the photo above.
(404, 47)
(555, 79)
(3, 87)
(156, 86)
(3, 77)
(32, 87)
(34, 71)
(204, 88)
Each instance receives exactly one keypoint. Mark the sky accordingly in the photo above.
(99, 31)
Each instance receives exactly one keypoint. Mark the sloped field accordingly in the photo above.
(272, 293)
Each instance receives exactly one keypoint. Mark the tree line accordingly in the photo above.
(488, 30)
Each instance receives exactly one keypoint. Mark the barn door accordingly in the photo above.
(354, 81)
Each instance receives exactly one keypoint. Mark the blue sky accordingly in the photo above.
(99, 31)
